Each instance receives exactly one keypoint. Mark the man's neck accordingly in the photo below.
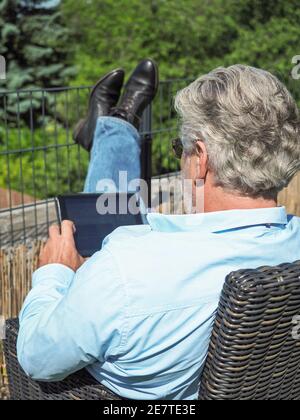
(216, 199)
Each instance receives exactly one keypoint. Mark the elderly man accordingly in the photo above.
(139, 314)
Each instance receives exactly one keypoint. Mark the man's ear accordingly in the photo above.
(203, 157)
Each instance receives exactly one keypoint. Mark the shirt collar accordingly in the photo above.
(217, 221)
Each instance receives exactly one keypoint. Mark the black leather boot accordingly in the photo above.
(139, 92)
(104, 96)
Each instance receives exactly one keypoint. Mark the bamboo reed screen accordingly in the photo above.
(16, 268)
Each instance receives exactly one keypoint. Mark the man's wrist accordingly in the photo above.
(60, 271)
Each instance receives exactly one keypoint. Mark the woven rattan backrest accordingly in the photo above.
(254, 351)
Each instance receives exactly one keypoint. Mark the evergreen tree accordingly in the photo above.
(34, 43)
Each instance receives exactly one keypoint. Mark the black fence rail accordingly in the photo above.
(39, 160)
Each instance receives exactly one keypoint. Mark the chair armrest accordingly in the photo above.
(79, 386)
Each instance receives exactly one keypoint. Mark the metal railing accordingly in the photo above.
(39, 160)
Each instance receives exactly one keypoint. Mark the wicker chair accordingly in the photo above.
(252, 354)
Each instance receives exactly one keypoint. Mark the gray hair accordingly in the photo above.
(250, 125)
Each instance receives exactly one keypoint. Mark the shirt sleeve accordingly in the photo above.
(69, 321)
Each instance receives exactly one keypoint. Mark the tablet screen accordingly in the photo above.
(97, 215)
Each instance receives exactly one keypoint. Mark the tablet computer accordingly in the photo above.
(97, 215)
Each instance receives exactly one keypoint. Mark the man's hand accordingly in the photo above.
(60, 247)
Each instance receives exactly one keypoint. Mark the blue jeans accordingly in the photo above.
(116, 147)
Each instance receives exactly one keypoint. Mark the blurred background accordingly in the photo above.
(71, 42)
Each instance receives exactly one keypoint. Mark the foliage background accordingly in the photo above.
(186, 37)
(76, 41)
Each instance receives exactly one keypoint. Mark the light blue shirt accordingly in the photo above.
(140, 312)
